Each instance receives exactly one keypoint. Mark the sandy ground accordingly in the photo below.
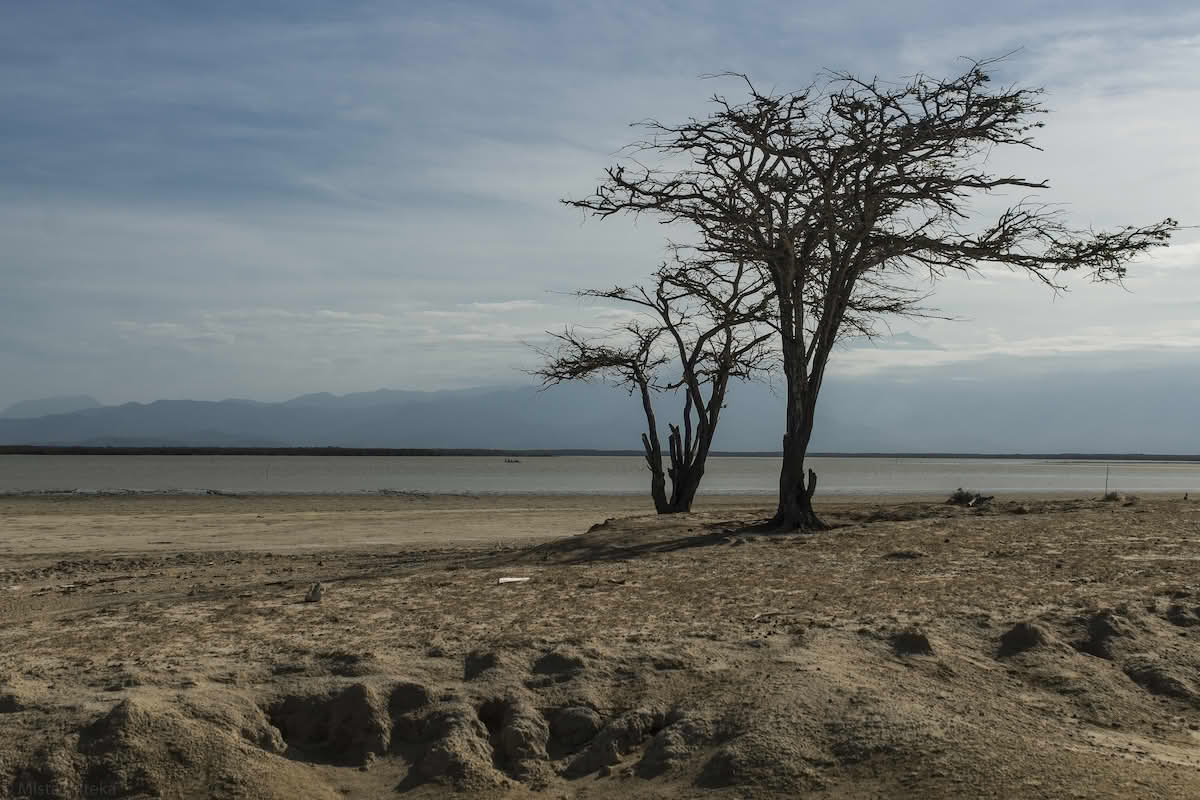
(150, 523)
(162, 647)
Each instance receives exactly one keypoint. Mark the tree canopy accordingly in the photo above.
(846, 195)
(698, 325)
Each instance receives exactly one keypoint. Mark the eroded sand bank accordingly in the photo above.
(163, 647)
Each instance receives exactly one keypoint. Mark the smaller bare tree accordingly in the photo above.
(698, 325)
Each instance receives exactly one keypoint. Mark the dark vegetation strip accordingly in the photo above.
(66, 450)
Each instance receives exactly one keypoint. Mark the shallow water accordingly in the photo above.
(571, 475)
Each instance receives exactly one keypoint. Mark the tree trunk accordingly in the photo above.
(658, 491)
(685, 480)
(795, 511)
(658, 480)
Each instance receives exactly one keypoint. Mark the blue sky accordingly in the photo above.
(264, 199)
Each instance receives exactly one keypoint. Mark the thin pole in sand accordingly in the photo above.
(1106, 480)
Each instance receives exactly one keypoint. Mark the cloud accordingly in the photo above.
(251, 203)
(505, 305)
(896, 341)
(1180, 340)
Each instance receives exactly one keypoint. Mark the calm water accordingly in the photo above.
(569, 475)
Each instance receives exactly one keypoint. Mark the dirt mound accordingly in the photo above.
(11, 702)
(457, 748)
(48, 772)
(675, 744)
(520, 742)
(142, 748)
(759, 759)
(574, 726)
(341, 725)
(617, 738)
(562, 661)
(911, 642)
(478, 662)
(408, 696)
(235, 713)
(1021, 637)
(1182, 616)
(1150, 672)
(1101, 630)
(871, 727)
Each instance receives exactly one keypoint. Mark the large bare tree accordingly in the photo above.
(845, 194)
(699, 324)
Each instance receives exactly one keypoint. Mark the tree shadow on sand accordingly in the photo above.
(637, 537)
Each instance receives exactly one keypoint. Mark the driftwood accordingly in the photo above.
(969, 499)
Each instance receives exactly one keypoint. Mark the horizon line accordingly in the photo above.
(116, 450)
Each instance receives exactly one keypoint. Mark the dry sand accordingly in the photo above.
(162, 647)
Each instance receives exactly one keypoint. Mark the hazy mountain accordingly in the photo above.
(49, 405)
(379, 397)
(947, 410)
(200, 423)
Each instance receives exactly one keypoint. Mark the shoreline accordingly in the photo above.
(43, 525)
(762, 496)
(475, 452)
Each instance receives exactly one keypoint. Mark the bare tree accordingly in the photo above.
(845, 194)
(700, 324)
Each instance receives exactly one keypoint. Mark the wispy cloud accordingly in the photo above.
(1181, 339)
(505, 305)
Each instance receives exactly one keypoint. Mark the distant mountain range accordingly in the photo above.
(49, 405)
(1147, 411)
(505, 418)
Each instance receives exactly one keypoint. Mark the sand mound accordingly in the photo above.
(478, 662)
(457, 749)
(341, 725)
(407, 696)
(758, 759)
(911, 642)
(143, 748)
(1021, 637)
(1182, 616)
(519, 741)
(1101, 630)
(235, 713)
(574, 726)
(11, 702)
(675, 744)
(1157, 677)
(619, 737)
(562, 661)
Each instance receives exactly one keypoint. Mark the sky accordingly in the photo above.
(263, 199)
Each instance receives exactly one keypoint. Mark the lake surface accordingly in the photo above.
(567, 475)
